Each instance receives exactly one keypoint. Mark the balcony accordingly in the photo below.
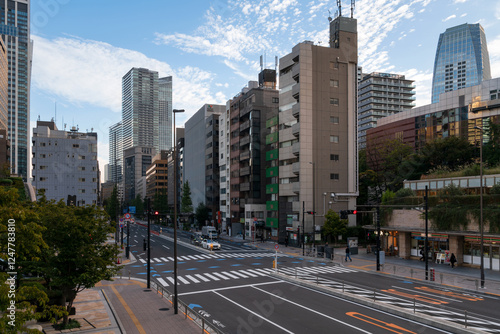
(245, 155)
(245, 126)
(295, 73)
(296, 168)
(296, 129)
(244, 141)
(296, 187)
(296, 91)
(245, 186)
(296, 110)
(245, 171)
(296, 148)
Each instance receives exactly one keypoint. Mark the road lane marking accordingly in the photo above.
(417, 297)
(229, 274)
(143, 261)
(202, 277)
(192, 278)
(312, 310)
(164, 259)
(231, 287)
(411, 290)
(212, 277)
(256, 314)
(165, 247)
(222, 276)
(157, 259)
(385, 325)
(449, 293)
(162, 281)
(180, 278)
(247, 272)
(129, 311)
(239, 274)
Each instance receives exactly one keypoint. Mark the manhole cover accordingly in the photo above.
(164, 309)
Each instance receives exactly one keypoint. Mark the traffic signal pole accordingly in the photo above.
(149, 247)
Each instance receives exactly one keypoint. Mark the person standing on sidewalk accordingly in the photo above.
(347, 253)
(453, 260)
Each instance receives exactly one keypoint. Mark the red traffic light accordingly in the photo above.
(156, 212)
(354, 212)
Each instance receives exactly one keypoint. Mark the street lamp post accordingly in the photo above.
(314, 205)
(176, 308)
(481, 225)
(149, 246)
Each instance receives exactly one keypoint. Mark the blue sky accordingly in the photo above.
(212, 47)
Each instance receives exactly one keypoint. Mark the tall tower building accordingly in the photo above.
(381, 95)
(317, 126)
(140, 109)
(15, 31)
(165, 110)
(116, 153)
(462, 59)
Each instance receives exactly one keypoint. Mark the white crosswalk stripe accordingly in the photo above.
(192, 279)
(230, 275)
(162, 281)
(221, 276)
(183, 280)
(157, 259)
(212, 277)
(164, 259)
(239, 274)
(143, 261)
(203, 278)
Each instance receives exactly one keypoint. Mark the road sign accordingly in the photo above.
(121, 225)
(121, 220)
(127, 216)
(276, 246)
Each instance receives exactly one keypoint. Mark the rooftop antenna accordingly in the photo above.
(352, 7)
(339, 5)
(329, 16)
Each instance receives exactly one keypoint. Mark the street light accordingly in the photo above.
(481, 227)
(314, 205)
(176, 308)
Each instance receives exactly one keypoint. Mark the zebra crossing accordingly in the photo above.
(312, 275)
(211, 257)
(245, 273)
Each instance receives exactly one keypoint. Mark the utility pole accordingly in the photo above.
(149, 246)
(303, 229)
(378, 238)
(426, 242)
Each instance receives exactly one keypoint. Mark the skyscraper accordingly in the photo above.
(116, 152)
(140, 109)
(165, 110)
(15, 31)
(462, 59)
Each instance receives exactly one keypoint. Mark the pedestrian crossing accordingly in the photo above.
(211, 257)
(247, 273)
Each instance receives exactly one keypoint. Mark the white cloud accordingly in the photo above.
(449, 18)
(86, 71)
(459, 1)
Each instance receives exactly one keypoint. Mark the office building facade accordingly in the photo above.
(15, 31)
(462, 59)
(137, 160)
(317, 131)
(165, 111)
(116, 153)
(65, 165)
(381, 95)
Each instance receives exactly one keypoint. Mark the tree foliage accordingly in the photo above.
(113, 204)
(202, 214)
(186, 202)
(491, 149)
(333, 226)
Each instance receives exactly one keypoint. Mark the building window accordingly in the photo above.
(42, 144)
(334, 157)
(81, 157)
(334, 101)
(334, 176)
(334, 83)
(493, 94)
(42, 155)
(334, 119)
(276, 100)
(43, 167)
(81, 168)
(334, 139)
(76, 145)
(43, 179)
(81, 191)
(81, 179)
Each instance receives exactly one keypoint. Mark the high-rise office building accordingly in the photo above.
(316, 131)
(15, 31)
(116, 153)
(381, 95)
(165, 110)
(140, 109)
(462, 59)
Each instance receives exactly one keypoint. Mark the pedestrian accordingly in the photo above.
(422, 258)
(262, 238)
(347, 253)
(453, 260)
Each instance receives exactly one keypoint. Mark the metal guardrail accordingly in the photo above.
(206, 326)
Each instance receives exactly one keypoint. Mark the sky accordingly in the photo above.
(212, 48)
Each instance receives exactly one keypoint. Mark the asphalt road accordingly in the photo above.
(234, 290)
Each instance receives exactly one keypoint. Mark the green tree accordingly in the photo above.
(333, 226)
(77, 256)
(113, 204)
(491, 149)
(202, 214)
(186, 202)
(160, 201)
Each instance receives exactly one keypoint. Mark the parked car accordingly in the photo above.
(196, 240)
(210, 244)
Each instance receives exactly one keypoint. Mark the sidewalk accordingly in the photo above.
(459, 277)
(125, 306)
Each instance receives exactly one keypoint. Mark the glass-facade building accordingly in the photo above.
(116, 152)
(462, 59)
(140, 109)
(15, 31)
(165, 110)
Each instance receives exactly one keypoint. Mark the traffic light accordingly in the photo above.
(156, 213)
(311, 212)
(343, 214)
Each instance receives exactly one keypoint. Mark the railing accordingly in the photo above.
(206, 327)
